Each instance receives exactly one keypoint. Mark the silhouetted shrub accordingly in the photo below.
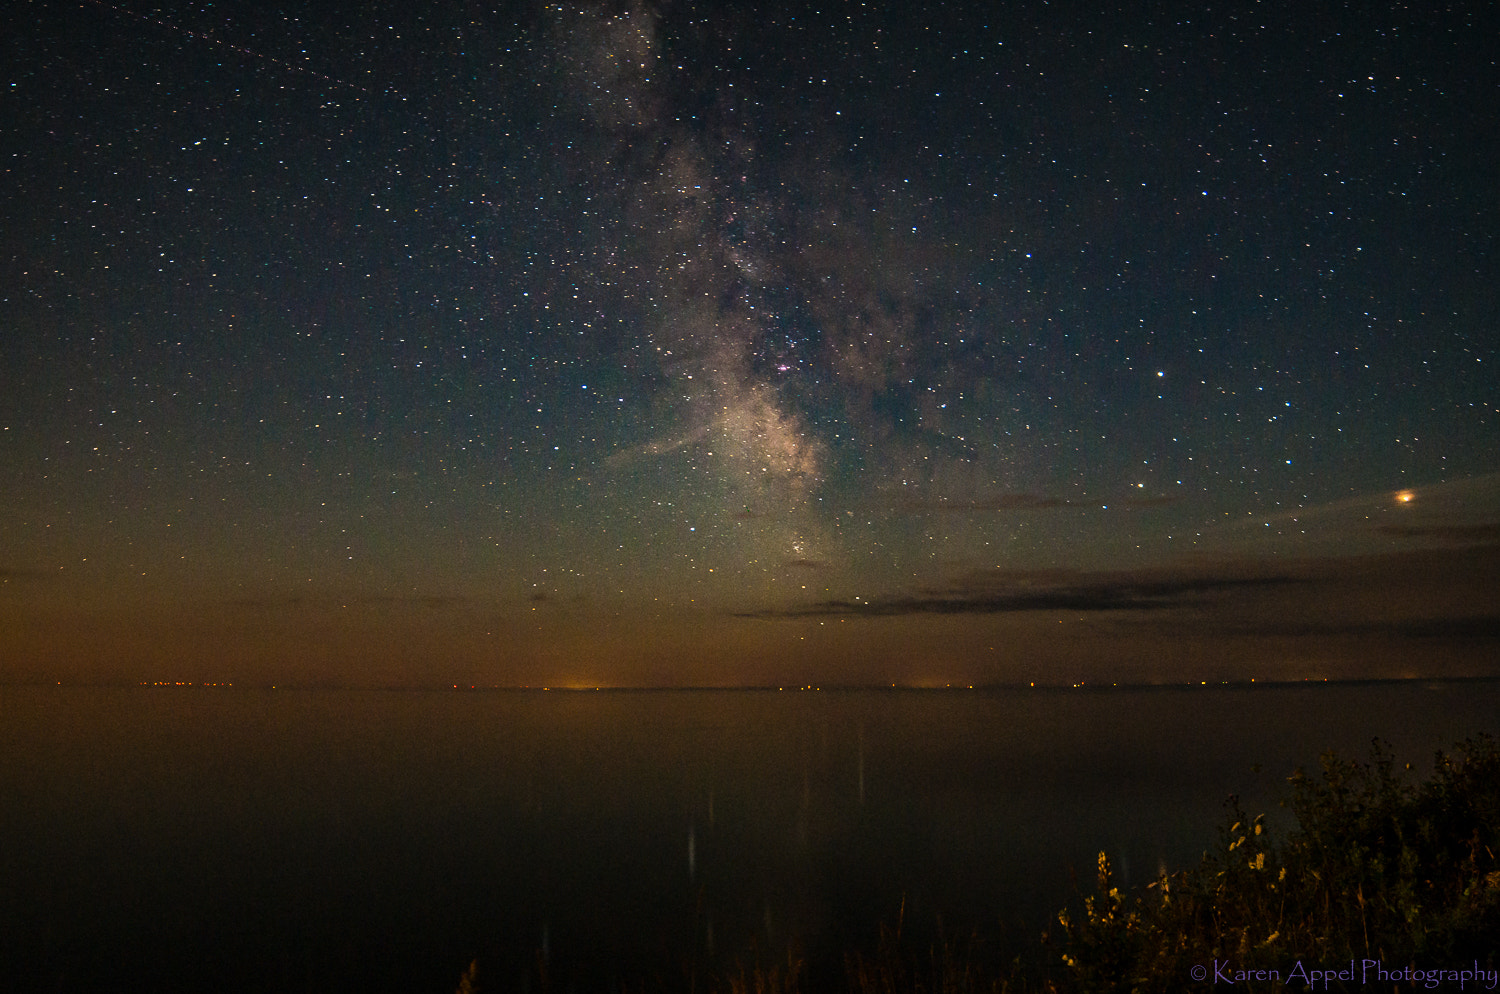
(1375, 869)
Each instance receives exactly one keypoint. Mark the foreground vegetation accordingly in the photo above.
(1377, 869)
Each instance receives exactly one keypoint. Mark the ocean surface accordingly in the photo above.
(231, 839)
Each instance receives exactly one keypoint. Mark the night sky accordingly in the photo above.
(705, 343)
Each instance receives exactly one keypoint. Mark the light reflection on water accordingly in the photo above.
(257, 840)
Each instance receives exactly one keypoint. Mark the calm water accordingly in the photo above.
(231, 839)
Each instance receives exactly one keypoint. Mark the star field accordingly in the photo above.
(636, 342)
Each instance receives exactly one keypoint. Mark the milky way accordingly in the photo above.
(776, 314)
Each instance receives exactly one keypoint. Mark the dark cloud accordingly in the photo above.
(1472, 627)
(1141, 503)
(1013, 592)
(429, 601)
(813, 564)
(999, 502)
(1019, 502)
(1481, 534)
(1481, 627)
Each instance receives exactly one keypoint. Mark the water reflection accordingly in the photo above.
(383, 840)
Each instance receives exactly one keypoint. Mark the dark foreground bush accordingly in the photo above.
(1376, 869)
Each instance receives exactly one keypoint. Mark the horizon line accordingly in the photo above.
(1086, 685)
